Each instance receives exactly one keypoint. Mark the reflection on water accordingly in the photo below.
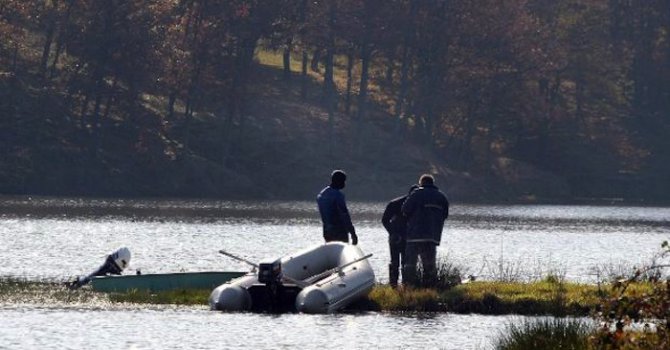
(58, 238)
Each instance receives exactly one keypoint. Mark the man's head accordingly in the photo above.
(426, 179)
(337, 179)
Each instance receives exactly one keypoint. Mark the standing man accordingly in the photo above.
(396, 225)
(426, 209)
(334, 213)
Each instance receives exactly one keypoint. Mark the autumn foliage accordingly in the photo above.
(575, 88)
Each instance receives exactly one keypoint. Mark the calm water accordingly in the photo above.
(29, 327)
(58, 238)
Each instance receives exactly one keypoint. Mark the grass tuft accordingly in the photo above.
(405, 299)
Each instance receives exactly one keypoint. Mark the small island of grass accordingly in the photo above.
(546, 297)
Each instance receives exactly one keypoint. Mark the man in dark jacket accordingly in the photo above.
(396, 225)
(426, 209)
(334, 213)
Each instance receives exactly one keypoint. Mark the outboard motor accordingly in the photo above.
(271, 293)
(270, 273)
(114, 264)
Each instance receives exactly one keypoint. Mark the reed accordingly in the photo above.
(545, 334)
(448, 274)
(20, 290)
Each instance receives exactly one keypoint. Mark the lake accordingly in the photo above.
(58, 238)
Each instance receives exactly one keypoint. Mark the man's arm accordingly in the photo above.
(410, 204)
(446, 208)
(343, 212)
(386, 218)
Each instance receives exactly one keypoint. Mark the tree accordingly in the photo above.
(640, 31)
(112, 42)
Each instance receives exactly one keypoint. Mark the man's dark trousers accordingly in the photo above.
(426, 251)
(397, 250)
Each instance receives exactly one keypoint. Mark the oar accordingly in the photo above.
(298, 283)
(313, 279)
(254, 265)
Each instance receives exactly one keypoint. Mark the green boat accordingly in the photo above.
(163, 281)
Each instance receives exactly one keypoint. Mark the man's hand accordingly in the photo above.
(354, 238)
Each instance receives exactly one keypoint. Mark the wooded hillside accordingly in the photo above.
(502, 100)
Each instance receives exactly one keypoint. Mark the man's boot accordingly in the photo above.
(394, 273)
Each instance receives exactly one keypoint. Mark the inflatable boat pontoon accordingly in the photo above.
(320, 279)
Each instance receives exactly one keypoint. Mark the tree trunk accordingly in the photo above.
(316, 57)
(49, 36)
(545, 125)
(62, 34)
(350, 79)
(93, 143)
(366, 53)
(434, 72)
(95, 135)
(303, 72)
(110, 100)
(404, 69)
(238, 97)
(465, 156)
(579, 96)
(83, 112)
(328, 82)
(188, 114)
(171, 101)
(246, 63)
(402, 91)
(287, 58)
(390, 66)
(15, 56)
(303, 76)
(197, 63)
(363, 87)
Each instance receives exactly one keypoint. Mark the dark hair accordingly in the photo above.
(426, 179)
(337, 178)
(413, 188)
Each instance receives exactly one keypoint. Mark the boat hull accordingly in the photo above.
(163, 281)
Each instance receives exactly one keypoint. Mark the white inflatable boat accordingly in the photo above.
(320, 279)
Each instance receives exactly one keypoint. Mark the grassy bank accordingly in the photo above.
(497, 298)
(494, 298)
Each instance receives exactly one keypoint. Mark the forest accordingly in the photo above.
(516, 100)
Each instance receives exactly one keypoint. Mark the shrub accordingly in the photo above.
(621, 311)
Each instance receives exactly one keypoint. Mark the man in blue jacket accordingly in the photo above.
(426, 210)
(334, 213)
